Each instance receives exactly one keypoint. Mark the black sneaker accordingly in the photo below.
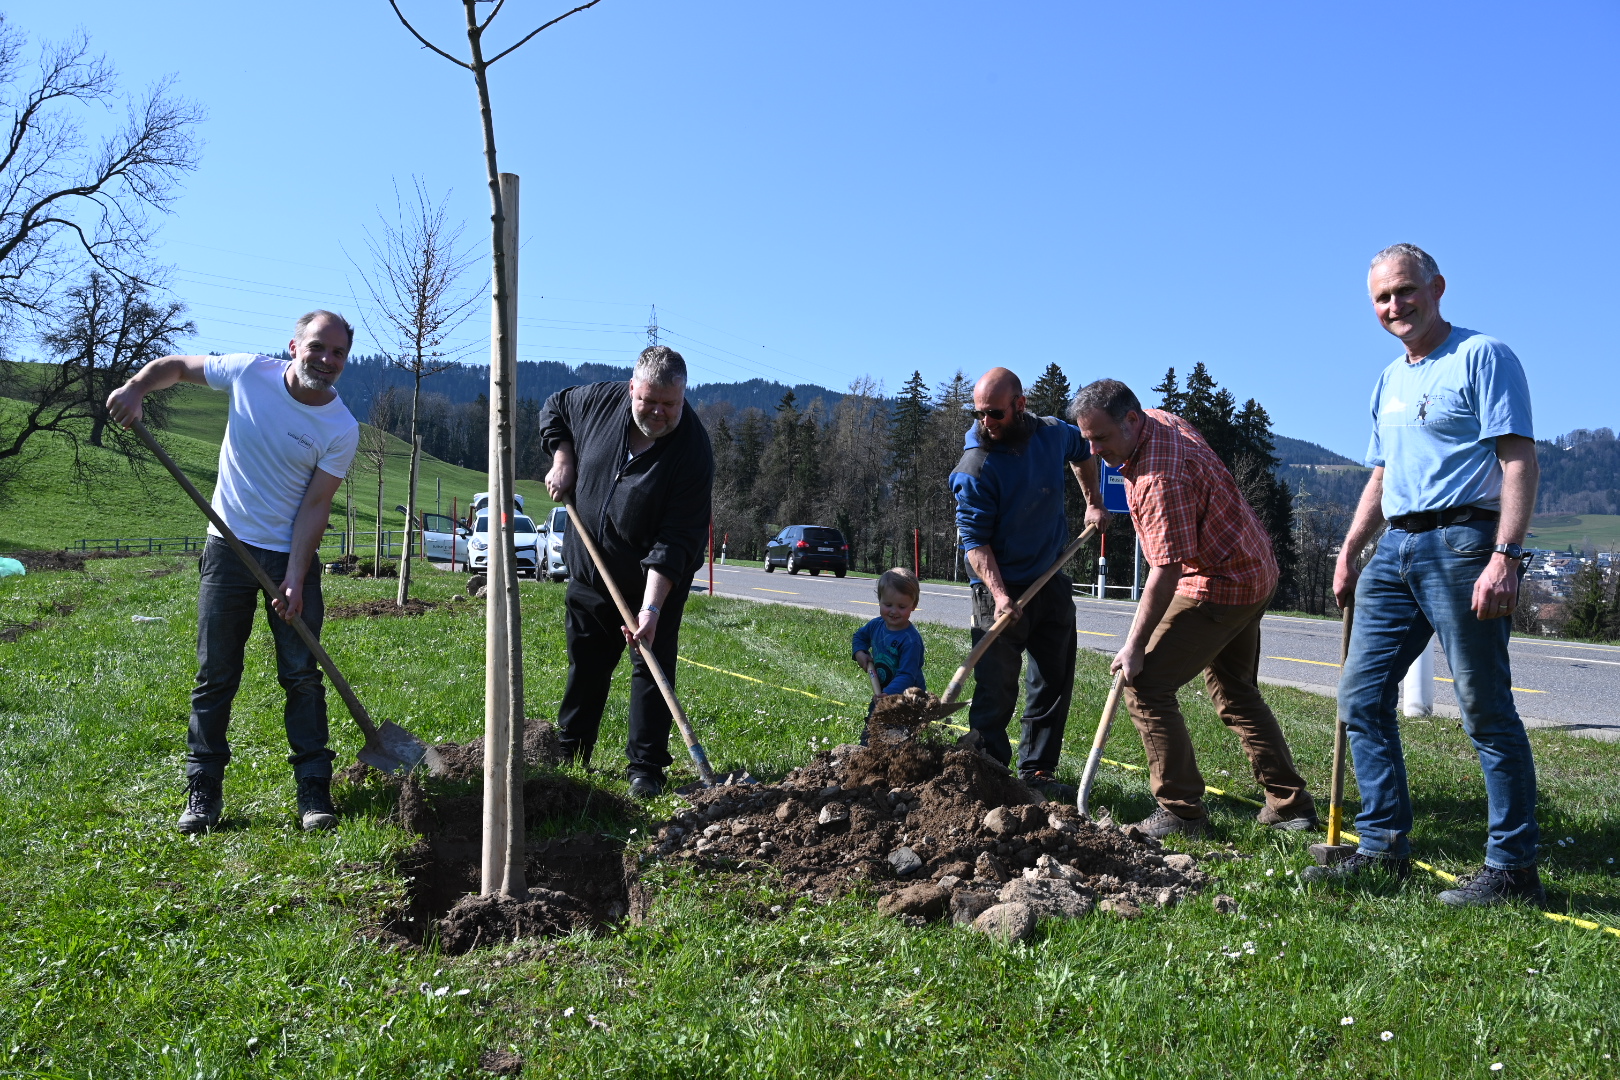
(1357, 867)
(1493, 886)
(1051, 787)
(204, 803)
(315, 809)
(1162, 823)
(643, 786)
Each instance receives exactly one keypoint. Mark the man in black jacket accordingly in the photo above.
(641, 471)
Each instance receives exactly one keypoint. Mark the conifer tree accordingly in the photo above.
(1588, 611)
(1171, 398)
(1051, 393)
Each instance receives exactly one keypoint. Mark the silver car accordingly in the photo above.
(552, 543)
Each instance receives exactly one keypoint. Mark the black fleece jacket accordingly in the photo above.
(650, 512)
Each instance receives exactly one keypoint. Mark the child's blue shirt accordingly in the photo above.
(897, 655)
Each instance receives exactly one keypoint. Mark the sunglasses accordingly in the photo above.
(990, 414)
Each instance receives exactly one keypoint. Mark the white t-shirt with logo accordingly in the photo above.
(273, 445)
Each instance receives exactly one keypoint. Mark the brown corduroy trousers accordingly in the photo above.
(1222, 641)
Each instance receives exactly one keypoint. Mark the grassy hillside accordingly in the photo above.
(52, 509)
(1556, 530)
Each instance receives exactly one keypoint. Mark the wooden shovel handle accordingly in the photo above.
(954, 689)
(1336, 792)
(356, 709)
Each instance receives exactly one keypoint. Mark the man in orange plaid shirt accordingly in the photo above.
(1213, 573)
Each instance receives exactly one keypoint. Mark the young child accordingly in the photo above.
(889, 644)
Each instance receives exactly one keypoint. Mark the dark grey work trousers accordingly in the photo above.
(227, 599)
(595, 644)
(1046, 633)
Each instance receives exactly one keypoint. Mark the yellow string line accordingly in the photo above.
(1450, 879)
(762, 682)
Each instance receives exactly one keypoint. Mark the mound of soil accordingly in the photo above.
(576, 881)
(465, 761)
(372, 609)
(930, 830)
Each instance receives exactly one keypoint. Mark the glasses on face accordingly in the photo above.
(989, 414)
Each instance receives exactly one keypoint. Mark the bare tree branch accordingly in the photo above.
(425, 42)
(485, 24)
(536, 30)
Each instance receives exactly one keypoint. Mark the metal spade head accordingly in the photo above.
(397, 751)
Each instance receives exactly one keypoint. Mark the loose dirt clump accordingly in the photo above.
(11, 631)
(465, 761)
(931, 830)
(577, 880)
(372, 609)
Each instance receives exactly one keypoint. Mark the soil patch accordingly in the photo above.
(578, 880)
(465, 761)
(890, 817)
(39, 561)
(372, 609)
(12, 631)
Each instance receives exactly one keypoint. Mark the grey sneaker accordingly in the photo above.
(315, 809)
(1358, 868)
(1162, 823)
(1493, 886)
(204, 803)
(1307, 823)
(643, 786)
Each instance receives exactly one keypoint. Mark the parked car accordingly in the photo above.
(524, 535)
(444, 538)
(808, 547)
(551, 546)
(480, 502)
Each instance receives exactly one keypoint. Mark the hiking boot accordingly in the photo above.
(1162, 823)
(315, 809)
(1493, 886)
(1358, 868)
(1307, 823)
(1049, 786)
(643, 786)
(204, 803)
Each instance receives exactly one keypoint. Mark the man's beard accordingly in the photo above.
(309, 379)
(1014, 434)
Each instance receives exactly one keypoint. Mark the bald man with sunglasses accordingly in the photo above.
(1009, 487)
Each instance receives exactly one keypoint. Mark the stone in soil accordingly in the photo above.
(501, 1063)
(1007, 922)
(912, 811)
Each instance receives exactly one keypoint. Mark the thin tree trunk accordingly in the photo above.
(377, 538)
(410, 517)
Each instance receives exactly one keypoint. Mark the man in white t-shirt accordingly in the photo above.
(288, 444)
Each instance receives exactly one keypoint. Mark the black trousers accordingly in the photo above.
(228, 599)
(1047, 634)
(595, 644)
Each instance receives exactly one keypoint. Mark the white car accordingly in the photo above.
(525, 537)
(554, 532)
(445, 539)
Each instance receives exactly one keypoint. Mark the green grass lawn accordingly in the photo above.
(1555, 531)
(53, 508)
(127, 950)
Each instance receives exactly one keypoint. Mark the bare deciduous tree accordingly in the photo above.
(418, 263)
(64, 199)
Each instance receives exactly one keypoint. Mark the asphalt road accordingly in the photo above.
(1556, 683)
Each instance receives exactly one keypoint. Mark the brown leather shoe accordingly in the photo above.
(1162, 823)
(1307, 823)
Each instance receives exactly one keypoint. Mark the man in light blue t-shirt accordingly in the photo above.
(1454, 477)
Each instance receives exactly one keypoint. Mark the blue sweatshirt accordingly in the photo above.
(1011, 499)
(897, 655)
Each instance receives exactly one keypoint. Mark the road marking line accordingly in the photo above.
(1587, 660)
(1297, 660)
(868, 603)
(1516, 689)
(1097, 633)
(784, 592)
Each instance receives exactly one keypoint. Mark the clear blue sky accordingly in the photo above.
(819, 191)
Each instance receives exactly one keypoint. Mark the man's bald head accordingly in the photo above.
(998, 405)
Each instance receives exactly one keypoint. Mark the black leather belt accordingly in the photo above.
(1434, 519)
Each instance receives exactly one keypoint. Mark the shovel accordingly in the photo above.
(389, 748)
(1331, 852)
(1089, 777)
(948, 703)
(693, 747)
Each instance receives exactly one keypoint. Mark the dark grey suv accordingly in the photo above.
(808, 547)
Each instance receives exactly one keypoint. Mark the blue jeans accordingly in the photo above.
(227, 600)
(1418, 584)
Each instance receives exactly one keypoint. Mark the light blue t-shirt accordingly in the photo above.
(1435, 424)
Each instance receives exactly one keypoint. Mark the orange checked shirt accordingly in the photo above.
(1188, 510)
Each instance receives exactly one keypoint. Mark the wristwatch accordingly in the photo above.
(1512, 551)
(654, 607)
